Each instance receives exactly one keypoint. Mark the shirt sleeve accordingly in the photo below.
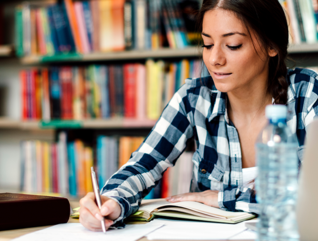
(239, 199)
(161, 148)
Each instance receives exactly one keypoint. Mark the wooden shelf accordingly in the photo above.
(6, 50)
(121, 55)
(118, 123)
(303, 48)
(190, 52)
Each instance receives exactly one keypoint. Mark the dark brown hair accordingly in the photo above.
(267, 19)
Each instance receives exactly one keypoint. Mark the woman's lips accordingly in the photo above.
(220, 75)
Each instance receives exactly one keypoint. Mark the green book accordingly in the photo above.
(150, 209)
(19, 31)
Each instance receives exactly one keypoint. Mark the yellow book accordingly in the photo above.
(125, 143)
(47, 181)
(88, 164)
(154, 88)
(39, 163)
(185, 70)
(106, 29)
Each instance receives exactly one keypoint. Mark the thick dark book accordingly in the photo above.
(23, 211)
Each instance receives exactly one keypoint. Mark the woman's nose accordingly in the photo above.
(217, 56)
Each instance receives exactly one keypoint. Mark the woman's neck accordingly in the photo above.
(248, 106)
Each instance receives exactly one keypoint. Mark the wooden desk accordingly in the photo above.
(8, 235)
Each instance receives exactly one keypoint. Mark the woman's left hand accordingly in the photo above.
(207, 197)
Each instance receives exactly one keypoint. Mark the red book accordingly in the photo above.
(24, 105)
(130, 90)
(46, 110)
(67, 93)
(40, 32)
(38, 95)
(165, 191)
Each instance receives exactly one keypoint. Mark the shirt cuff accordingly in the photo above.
(124, 205)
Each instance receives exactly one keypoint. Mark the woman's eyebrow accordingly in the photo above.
(225, 35)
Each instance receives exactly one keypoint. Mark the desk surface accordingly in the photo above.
(15, 233)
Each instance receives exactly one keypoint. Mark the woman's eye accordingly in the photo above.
(234, 47)
(207, 46)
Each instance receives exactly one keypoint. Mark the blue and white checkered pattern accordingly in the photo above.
(198, 110)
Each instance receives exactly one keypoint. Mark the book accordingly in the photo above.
(32, 208)
(189, 210)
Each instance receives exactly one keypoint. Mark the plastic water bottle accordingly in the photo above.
(276, 183)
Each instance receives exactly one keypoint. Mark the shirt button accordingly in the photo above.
(203, 171)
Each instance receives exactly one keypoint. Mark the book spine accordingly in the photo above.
(112, 93)
(55, 93)
(118, 25)
(96, 25)
(19, 31)
(66, 82)
(300, 20)
(106, 26)
(119, 111)
(47, 32)
(40, 32)
(88, 23)
(79, 14)
(52, 30)
(26, 25)
(128, 22)
(46, 109)
(74, 25)
(129, 90)
(23, 86)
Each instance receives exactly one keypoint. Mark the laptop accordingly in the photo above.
(307, 204)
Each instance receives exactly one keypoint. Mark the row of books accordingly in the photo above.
(68, 26)
(64, 167)
(132, 90)
(302, 16)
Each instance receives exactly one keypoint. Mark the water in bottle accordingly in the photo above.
(276, 184)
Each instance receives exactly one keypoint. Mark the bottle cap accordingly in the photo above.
(276, 112)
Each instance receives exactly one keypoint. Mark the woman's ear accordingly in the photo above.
(272, 52)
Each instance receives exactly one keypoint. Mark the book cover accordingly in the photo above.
(187, 210)
(13, 205)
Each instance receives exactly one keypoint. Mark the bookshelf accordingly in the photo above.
(16, 130)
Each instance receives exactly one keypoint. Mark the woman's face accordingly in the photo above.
(230, 55)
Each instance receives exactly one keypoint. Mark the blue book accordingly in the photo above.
(104, 90)
(53, 32)
(178, 76)
(100, 161)
(72, 169)
(88, 23)
(55, 93)
(60, 28)
(67, 30)
(150, 195)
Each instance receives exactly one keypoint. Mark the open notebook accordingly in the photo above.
(150, 209)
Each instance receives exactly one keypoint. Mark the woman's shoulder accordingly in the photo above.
(301, 75)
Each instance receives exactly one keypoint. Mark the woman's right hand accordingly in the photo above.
(91, 216)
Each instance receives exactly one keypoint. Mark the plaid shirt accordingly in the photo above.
(199, 110)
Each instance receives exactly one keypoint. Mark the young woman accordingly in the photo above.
(244, 49)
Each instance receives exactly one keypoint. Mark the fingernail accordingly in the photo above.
(104, 210)
(98, 216)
